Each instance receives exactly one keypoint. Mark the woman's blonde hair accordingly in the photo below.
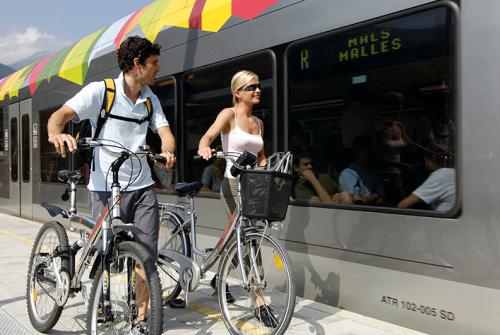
(239, 80)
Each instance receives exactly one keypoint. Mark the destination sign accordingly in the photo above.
(369, 44)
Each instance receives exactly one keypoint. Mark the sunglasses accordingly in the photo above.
(250, 88)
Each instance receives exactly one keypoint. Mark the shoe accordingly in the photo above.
(265, 315)
(141, 328)
(229, 297)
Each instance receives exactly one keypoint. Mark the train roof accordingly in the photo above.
(72, 63)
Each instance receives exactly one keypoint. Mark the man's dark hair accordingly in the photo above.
(135, 47)
(297, 156)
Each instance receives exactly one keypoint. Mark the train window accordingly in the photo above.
(4, 162)
(371, 112)
(206, 92)
(26, 146)
(50, 160)
(165, 91)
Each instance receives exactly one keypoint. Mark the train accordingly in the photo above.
(331, 72)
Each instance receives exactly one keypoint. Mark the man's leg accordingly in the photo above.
(147, 220)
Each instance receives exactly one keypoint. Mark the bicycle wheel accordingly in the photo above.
(170, 224)
(129, 264)
(44, 298)
(265, 307)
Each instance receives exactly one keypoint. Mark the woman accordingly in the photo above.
(240, 131)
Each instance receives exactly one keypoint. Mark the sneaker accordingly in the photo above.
(265, 315)
(140, 328)
(229, 297)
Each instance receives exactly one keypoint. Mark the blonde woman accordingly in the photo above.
(240, 131)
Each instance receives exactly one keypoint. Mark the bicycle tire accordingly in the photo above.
(36, 297)
(121, 311)
(277, 291)
(169, 278)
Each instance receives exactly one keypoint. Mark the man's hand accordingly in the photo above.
(307, 174)
(170, 158)
(60, 140)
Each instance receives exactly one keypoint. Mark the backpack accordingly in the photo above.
(107, 105)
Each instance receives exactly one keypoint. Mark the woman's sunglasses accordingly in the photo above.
(250, 88)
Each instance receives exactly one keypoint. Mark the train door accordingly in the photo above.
(21, 186)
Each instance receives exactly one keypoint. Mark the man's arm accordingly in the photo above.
(320, 191)
(167, 144)
(409, 201)
(55, 128)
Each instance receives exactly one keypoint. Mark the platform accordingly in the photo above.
(202, 316)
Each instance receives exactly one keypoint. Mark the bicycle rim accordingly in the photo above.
(120, 316)
(41, 289)
(276, 292)
(169, 277)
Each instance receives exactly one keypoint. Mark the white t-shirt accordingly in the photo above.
(439, 190)
(87, 104)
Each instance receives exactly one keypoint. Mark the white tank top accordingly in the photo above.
(238, 140)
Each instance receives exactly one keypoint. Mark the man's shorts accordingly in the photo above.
(139, 207)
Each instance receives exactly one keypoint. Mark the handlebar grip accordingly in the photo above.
(159, 158)
(199, 158)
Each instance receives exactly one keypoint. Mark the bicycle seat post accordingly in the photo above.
(72, 189)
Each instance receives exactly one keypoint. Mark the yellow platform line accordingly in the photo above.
(17, 237)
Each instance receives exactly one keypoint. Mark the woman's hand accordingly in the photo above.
(205, 152)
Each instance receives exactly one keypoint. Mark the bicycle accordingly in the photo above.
(252, 262)
(117, 263)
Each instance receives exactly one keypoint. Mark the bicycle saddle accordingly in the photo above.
(64, 175)
(184, 189)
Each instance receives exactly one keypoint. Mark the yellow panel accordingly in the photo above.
(13, 82)
(74, 66)
(215, 14)
(150, 21)
(16, 84)
(6, 85)
(177, 13)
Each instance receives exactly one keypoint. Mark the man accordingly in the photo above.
(138, 61)
(359, 178)
(315, 188)
(439, 189)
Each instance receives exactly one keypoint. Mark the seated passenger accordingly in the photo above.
(316, 188)
(439, 189)
(359, 179)
(213, 175)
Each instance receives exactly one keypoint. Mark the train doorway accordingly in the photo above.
(20, 154)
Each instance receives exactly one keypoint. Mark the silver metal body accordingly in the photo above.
(391, 266)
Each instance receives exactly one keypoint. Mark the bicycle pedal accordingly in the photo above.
(207, 250)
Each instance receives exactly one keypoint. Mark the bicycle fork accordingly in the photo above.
(252, 253)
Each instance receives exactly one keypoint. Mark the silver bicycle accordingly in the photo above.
(255, 282)
(125, 279)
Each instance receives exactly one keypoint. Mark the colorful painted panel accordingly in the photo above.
(72, 63)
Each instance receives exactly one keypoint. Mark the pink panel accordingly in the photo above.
(248, 9)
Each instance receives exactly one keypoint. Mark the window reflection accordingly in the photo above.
(206, 92)
(50, 161)
(367, 105)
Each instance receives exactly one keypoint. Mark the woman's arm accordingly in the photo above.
(262, 161)
(222, 122)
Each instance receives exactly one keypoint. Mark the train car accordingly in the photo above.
(399, 75)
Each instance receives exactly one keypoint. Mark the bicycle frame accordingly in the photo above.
(91, 231)
(189, 269)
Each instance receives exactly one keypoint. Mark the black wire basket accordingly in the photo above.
(265, 194)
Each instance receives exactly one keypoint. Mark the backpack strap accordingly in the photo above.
(107, 104)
